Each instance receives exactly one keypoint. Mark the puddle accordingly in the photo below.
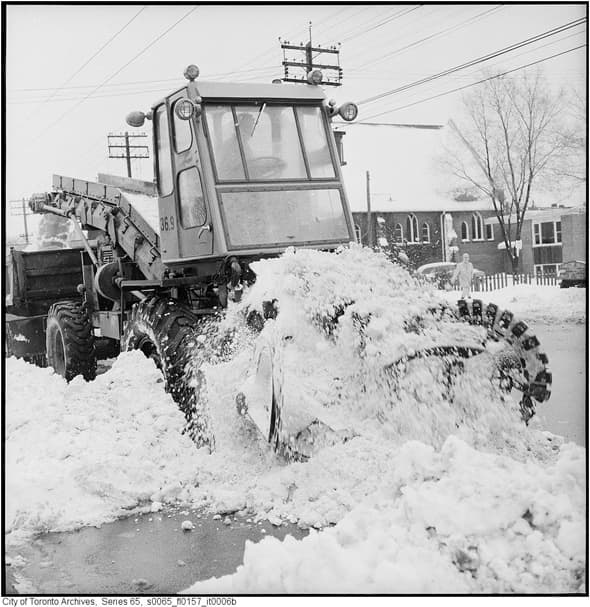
(145, 554)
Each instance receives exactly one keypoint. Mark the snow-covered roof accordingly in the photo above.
(545, 214)
(406, 174)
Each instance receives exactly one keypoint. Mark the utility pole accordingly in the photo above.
(18, 208)
(331, 72)
(369, 213)
(121, 141)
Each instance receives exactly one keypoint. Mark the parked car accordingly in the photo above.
(572, 274)
(441, 273)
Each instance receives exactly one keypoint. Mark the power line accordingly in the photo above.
(468, 85)
(55, 91)
(397, 15)
(135, 82)
(179, 81)
(431, 37)
(477, 61)
(117, 72)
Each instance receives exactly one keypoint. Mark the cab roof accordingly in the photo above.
(249, 90)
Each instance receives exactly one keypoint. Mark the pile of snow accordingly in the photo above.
(453, 521)
(421, 480)
(536, 304)
(84, 453)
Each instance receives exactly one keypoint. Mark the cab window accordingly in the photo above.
(269, 142)
(193, 212)
(315, 142)
(163, 158)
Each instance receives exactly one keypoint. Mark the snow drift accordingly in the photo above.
(462, 488)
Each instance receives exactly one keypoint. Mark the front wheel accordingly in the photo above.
(167, 333)
(69, 341)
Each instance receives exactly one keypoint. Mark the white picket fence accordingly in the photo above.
(491, 282)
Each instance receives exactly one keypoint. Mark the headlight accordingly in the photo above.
(184, 109)
(348, 111)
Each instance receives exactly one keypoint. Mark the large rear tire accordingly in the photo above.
(167, 333)
(69, 341)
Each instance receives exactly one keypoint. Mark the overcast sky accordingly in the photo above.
(74, 72)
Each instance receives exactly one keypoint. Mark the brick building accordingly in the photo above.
(548, 238)
(438, 235)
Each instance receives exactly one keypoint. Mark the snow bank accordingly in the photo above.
(83, 453)
(424, 479)
(452, 521)
(541, 304)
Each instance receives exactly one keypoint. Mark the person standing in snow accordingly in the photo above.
(464, 274)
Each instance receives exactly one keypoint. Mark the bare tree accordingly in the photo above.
(509, 140)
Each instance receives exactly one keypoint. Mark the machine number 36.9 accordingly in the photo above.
(166, 223)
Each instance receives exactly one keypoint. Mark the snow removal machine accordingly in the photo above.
(243, 172)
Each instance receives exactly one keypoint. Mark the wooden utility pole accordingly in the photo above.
(369, 213)
(332, 71)
(19, 207)
(121, 141)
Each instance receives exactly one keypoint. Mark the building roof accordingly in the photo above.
(545, 214)
(406, 173)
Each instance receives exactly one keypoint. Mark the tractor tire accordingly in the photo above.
(167, 333)
(69, 341)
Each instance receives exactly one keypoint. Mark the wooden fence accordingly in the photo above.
(499, 281)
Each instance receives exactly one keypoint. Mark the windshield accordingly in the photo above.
(284, 217)
(268, 142)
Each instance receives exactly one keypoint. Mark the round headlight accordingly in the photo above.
(315, 77)
(348, 111)
(191, 72)
(184, 109)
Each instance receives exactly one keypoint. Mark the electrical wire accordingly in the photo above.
(498, 65)
(443, 32)
(159, 37)
(93, 56)
(397, 15)
(474, 62)
(521, 67)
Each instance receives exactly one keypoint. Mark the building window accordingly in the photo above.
(546, 233)
(357, 231)
(425, 232)
(547, 269)
(476, 227)
(412, 229)
(489, 231)
(464, 231)
(398, 233)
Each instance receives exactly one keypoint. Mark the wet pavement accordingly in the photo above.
(565, 412)
(145, 554)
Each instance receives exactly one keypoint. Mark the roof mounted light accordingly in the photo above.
(136, 119)
(191, 72)
(315, 77)
(348, 111)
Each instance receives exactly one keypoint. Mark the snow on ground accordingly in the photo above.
(429, 494)
(538, 304)
(452, 521)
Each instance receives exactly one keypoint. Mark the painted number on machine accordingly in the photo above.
(166, 223)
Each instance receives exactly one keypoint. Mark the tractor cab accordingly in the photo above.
(244, 168)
